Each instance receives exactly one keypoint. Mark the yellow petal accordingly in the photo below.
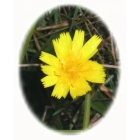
(78, 40)
(93, 72)
(79, 87)
(49, 70)
(49, 81)
(49, 59)
(61, 89)
(90, 47)
(62, 45)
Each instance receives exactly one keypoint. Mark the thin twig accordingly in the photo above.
(63, 24)
(94, 119)
(29, 65)
(45, 112)
(113, 50)
(36, 43)
(50, 33)
(94, 28)
(111, 66)
(106, 91)
(64, 10)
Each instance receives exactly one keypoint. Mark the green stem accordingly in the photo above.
(86, 111)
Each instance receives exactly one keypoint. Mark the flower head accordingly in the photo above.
(71, 69)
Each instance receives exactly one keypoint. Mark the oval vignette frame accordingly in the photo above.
(104, 90)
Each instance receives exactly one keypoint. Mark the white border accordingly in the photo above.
(6, 69)
(112, 13)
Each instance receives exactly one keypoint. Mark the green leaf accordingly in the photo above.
(99, 107)
(31, 50)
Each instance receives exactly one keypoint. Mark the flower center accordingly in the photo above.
(71, 68)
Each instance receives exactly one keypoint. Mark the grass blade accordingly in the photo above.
(58, 111)
(74, 17)
(56, 15)
(26, 43)
(74, 119)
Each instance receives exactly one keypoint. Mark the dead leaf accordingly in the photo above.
(106, 91)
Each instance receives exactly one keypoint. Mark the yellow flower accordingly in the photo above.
(71, 69)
